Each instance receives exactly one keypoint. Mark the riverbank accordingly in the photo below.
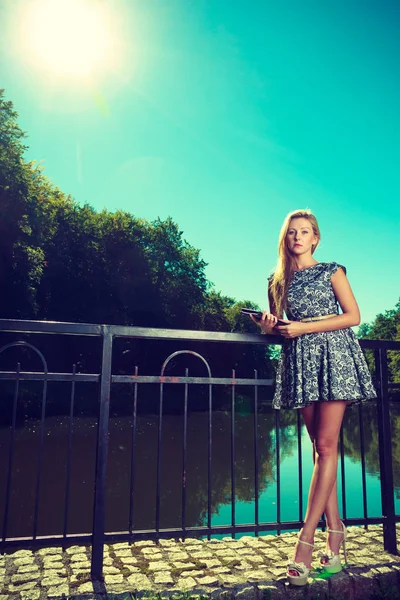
(247, 568)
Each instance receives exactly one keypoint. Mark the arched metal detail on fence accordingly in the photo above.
(171, 356)
(184, 448)
(24, 344)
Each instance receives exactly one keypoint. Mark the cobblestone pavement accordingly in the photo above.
(248, 568)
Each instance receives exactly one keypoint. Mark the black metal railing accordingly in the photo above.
(105, 379)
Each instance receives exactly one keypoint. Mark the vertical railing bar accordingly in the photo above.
(300, 466)
(363, 473)
(209, 478)
(69, 451)
(158, 484)
(256, 466)
(99, 511)
(184, 458)
(133, 451)
(11, 452)
(233, 488)
(278, 471)
(385, 454)
(40, 456)
(343, 475)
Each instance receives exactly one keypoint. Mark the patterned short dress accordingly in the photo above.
(322, 366)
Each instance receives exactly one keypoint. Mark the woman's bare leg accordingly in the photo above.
(325, 420)
(331, 510)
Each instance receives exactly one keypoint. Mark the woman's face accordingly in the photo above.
(300, 236)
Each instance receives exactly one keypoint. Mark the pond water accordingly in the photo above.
(80, 515)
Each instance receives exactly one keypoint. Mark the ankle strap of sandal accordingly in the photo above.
(305, 543)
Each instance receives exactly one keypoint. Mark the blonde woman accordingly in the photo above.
(321, 370)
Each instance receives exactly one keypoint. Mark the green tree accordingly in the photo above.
(386, 326)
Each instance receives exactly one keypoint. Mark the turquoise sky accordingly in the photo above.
(226, 116)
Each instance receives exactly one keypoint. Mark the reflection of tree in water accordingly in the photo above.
(352, 445)
(197, 465)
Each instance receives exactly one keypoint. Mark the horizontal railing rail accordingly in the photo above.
(105, 379)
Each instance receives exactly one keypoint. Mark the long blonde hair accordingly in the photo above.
(286, 265)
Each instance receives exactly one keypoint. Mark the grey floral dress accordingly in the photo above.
(320, 366)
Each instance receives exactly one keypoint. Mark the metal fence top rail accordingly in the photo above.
(88, 329)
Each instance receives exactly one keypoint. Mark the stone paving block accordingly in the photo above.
(22, 554)
(131, 569)
(214, 562)
(184, 565)
(139, 582)
(256, 575)
(108, 561)
(49, 551)
(85, 564)
(128, 560)
(195, 573)
(193, 542)
(24, 577)
(159, 566)
(208, 580)
(247, 551)
(221, 570)
(151, 550)
(58, 591)
(243, 566)
(171, 542)
(193, 548)
(200, 555)
(229, 579)
(163, 578)
(75, 549)
(24, 560)
(53, 581)
(228, 552)
(22, 587)
(53, 564)
(79, 576)
(31, 595)
(178, 556)
(28, 568)
(85, 588)
(125, 545)
(109, 579)
(78, 557)
(185, 583)
(123, 552)
(110, 570)
(253, 559)
(140, 544)
(154, 557)
(61, 572)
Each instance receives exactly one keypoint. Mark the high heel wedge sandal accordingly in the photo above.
(331, 562)
(297, 573)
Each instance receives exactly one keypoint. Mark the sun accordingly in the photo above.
(71, 39)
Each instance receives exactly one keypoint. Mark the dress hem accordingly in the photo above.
(356, 401)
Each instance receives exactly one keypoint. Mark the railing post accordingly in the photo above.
(101, 458)
(385, 453)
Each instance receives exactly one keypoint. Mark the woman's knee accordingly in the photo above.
(326, 446)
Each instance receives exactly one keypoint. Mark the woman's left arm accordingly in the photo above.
(347, 302)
